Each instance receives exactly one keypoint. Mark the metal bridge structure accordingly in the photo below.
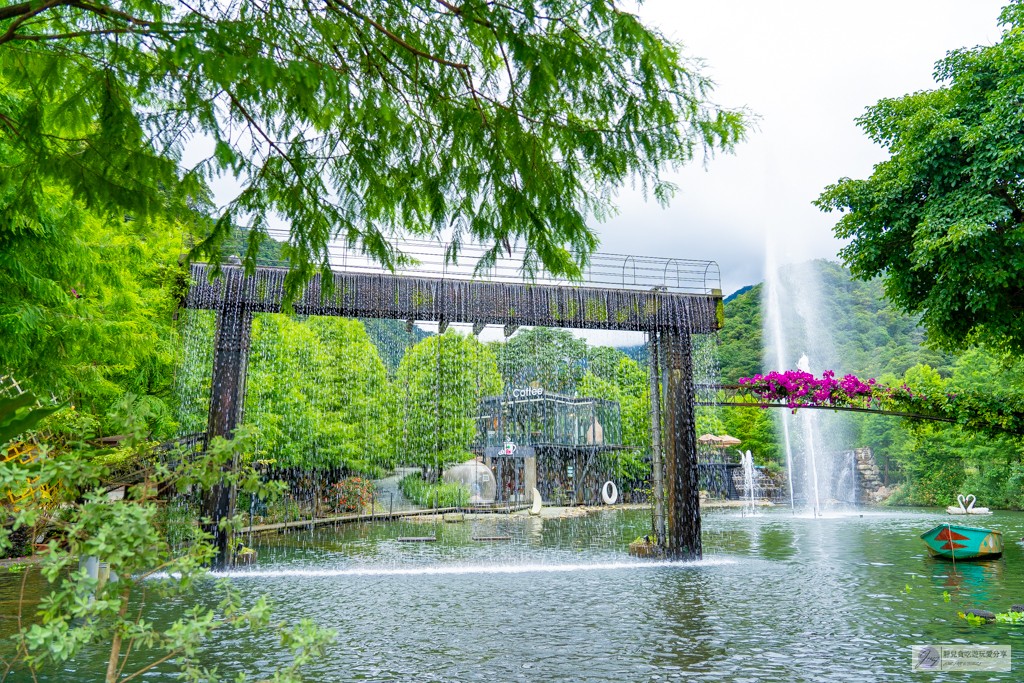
(669, 299)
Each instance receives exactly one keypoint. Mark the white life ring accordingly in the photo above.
(609, 498)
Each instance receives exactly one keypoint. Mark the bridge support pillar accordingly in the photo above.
(682, 488)
(227, 395)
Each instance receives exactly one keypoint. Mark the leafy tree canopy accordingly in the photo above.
(553, 359)
(318, 395)
(87, 305)
(502, 123)
(942, 219)
(438, 386)
(76, 614)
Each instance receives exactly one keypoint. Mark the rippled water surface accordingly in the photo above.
(777, 598)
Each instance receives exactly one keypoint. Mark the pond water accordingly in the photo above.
(777, 598)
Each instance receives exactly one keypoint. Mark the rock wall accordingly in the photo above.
(767, 486)
(870, 486)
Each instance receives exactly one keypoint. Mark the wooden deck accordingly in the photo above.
(379, 516)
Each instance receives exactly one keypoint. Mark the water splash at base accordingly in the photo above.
(465, 569)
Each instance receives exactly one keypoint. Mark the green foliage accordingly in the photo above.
(318, 395)
(392, 339)
(756, 428)
(558, 361)
(931, 462)
(1010, 617)
(80, 612)
(17, 415)
(973, 619)
(438, 385)
(444, 495)
(870, 339)
(267, 254)
(90, 236)
(981, 454)
(88, 263)
(629, 386)
(506, 122)
(88, 305)
(634, 389)
(942, 220)
(740, 355)
(935, 474)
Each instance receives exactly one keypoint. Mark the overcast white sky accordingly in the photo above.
(807, 68)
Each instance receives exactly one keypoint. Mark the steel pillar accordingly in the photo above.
(682, 489)
(657, 466)
(227, 395)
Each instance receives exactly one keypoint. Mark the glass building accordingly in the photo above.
(563, 445)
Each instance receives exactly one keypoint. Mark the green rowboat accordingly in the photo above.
(955, 542)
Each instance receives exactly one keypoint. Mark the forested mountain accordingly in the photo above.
(738, 292)
(739, 350)
(867, 336)
(269, 253)
(392, 338)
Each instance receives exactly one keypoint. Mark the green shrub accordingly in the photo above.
(447, 495)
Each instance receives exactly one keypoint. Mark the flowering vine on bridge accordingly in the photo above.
(797, 388)
(985, 412)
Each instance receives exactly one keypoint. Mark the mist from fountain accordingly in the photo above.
(797, 333)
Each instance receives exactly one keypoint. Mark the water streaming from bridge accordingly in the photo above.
(368, 376)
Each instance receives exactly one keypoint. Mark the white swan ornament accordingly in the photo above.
(957, 509)
(971, 510)
(966, 507)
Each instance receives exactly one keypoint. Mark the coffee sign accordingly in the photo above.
(527, 392)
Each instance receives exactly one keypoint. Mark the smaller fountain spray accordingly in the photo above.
(747, 461)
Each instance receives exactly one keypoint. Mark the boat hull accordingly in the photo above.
(956, 542)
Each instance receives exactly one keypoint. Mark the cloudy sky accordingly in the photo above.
(807, 68)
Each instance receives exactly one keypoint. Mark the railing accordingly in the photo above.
(435, 258)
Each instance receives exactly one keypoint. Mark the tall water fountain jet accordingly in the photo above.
(774, 318)
(808, 423)
(798, 334)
